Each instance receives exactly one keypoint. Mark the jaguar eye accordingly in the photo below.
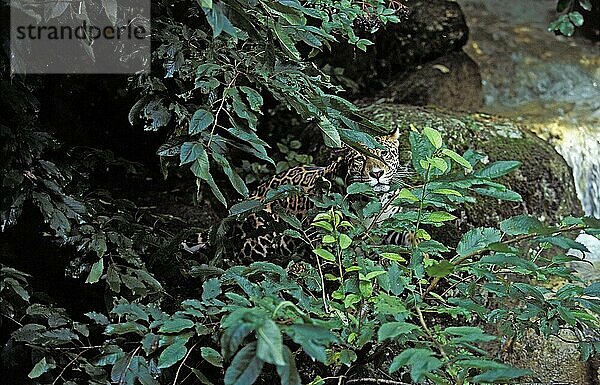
(384, 152)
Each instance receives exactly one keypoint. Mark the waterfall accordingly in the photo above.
(549, 83)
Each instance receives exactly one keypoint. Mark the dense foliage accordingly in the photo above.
(429, 313)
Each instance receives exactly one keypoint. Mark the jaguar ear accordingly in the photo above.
(395, 135)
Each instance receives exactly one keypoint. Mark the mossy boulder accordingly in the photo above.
(544, 179)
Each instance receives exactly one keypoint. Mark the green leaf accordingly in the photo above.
(393, 257)
(98, 244)
(326, 255)
(440, 269)
(189, 152)
(172, 354)
(176, 325)
(497, 169)
(434, 137)
(576, 18)
(358, 188)
(407, 195)
(564, 243)
(245, 367)
(521, 224)
(439, 216)
(586, 4)
(421, 362)
(468, 334)
(288, 373)
(96, 271)
(439, 163)
(476, 240)
(286, 42)
(394, 329)
(447, 191)
(254, 98)
(331, 136)
(40, 368)
(269, 346)
(314, 339)
(592, 290)
(457, 158)
(566, 28)
(503, 194)
(200, 121)
(201, 168)
(211, 289)
(211, 356)
(344, 241)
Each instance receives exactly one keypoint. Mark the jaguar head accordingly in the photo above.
(378, 173)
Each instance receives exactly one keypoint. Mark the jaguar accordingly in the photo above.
(259, 235)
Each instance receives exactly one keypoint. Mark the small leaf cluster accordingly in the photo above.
(568, 19)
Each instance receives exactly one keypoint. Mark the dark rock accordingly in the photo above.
(452, 81)
(433, 28)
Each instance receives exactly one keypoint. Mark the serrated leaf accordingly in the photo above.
(520, 224)
(477, 239)
(440, 269)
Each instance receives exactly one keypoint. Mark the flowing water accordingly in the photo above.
(550, 83)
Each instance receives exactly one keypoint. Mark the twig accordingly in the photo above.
(436, 343)
(212, 131)
(182, 363)
(377, 381)
(60, 375)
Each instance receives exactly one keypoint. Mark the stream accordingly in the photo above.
(550, 83)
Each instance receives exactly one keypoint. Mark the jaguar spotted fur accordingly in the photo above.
(258, 236)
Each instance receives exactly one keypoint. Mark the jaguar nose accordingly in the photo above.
(376, 173)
